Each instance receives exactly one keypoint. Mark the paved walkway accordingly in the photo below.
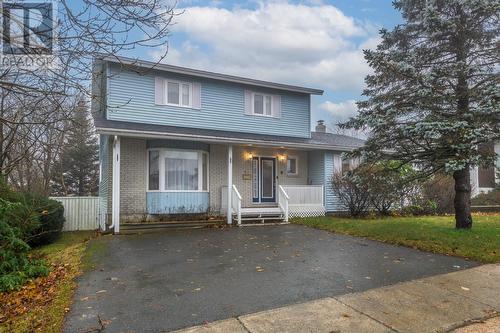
(441, 303)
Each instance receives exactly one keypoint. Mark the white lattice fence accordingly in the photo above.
(306, 211)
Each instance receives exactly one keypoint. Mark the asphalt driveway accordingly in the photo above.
(169, 280)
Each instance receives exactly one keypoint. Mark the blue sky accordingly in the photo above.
(312, 43)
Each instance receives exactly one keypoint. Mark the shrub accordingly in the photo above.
(491, 198)
(51, 219)
(425, 207)
(441, 190)
(389, 184)
(15, 265)
(46, 228)
(351, 190)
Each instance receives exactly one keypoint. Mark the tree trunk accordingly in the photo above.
(463, 217)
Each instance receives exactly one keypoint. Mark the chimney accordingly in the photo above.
(321, 127)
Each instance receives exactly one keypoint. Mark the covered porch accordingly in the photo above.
(152, 178)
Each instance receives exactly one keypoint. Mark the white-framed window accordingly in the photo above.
(177, 93)
(292, 166)
(174, 170)
(262, 104)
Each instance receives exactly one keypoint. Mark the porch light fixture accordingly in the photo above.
(281, 157)
(249, 156)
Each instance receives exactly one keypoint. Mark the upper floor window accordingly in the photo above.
(262, 104)
(177, 93)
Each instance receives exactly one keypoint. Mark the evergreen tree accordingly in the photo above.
(433, 96)
(78, 172)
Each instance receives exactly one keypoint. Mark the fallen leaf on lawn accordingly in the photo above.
(345, 315)
(465, 288)
(197, 289)
(259, 269)
(101, 291)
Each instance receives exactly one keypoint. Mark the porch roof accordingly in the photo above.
(318, 140)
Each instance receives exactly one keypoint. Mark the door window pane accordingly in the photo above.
(154, 170)
(181, 171)
(173, 93)
(267, 178)
(185, 94)
(258, 104)
(268, 105)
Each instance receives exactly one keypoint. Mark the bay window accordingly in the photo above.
(177, 170)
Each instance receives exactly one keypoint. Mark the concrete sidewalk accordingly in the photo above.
(440, 303)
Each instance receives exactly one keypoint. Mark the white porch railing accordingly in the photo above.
(283, 200)
(236, 203)
(305, 200)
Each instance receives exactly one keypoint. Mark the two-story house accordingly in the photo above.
(176, 140)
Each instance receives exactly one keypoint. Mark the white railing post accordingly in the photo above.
(115, 190)
(229, 184)
(283, 201)
(236, 201)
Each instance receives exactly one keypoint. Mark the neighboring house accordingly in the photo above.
(485, 179)
(173, 140)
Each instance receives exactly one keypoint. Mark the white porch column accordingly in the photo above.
(229, 183)
(115, 203)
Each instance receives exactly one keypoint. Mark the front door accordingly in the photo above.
(264, 179)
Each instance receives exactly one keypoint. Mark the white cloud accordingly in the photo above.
(278, 41)
(340, 111)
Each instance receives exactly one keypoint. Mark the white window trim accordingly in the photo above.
(263, 105)
(296, 158)
(180, 83)
(161, 162)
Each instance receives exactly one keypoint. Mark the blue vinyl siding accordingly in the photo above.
(331, 200)
(316, 167)
(131, 98)
(321, 168)
(105, 173)
(177, 202)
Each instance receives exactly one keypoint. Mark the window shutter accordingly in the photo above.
(277, 106)
(248, 102)
(337, 163)
(159, 91)
(196, 95)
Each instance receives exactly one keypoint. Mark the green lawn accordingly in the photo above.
(429, 233)
(46, 300)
